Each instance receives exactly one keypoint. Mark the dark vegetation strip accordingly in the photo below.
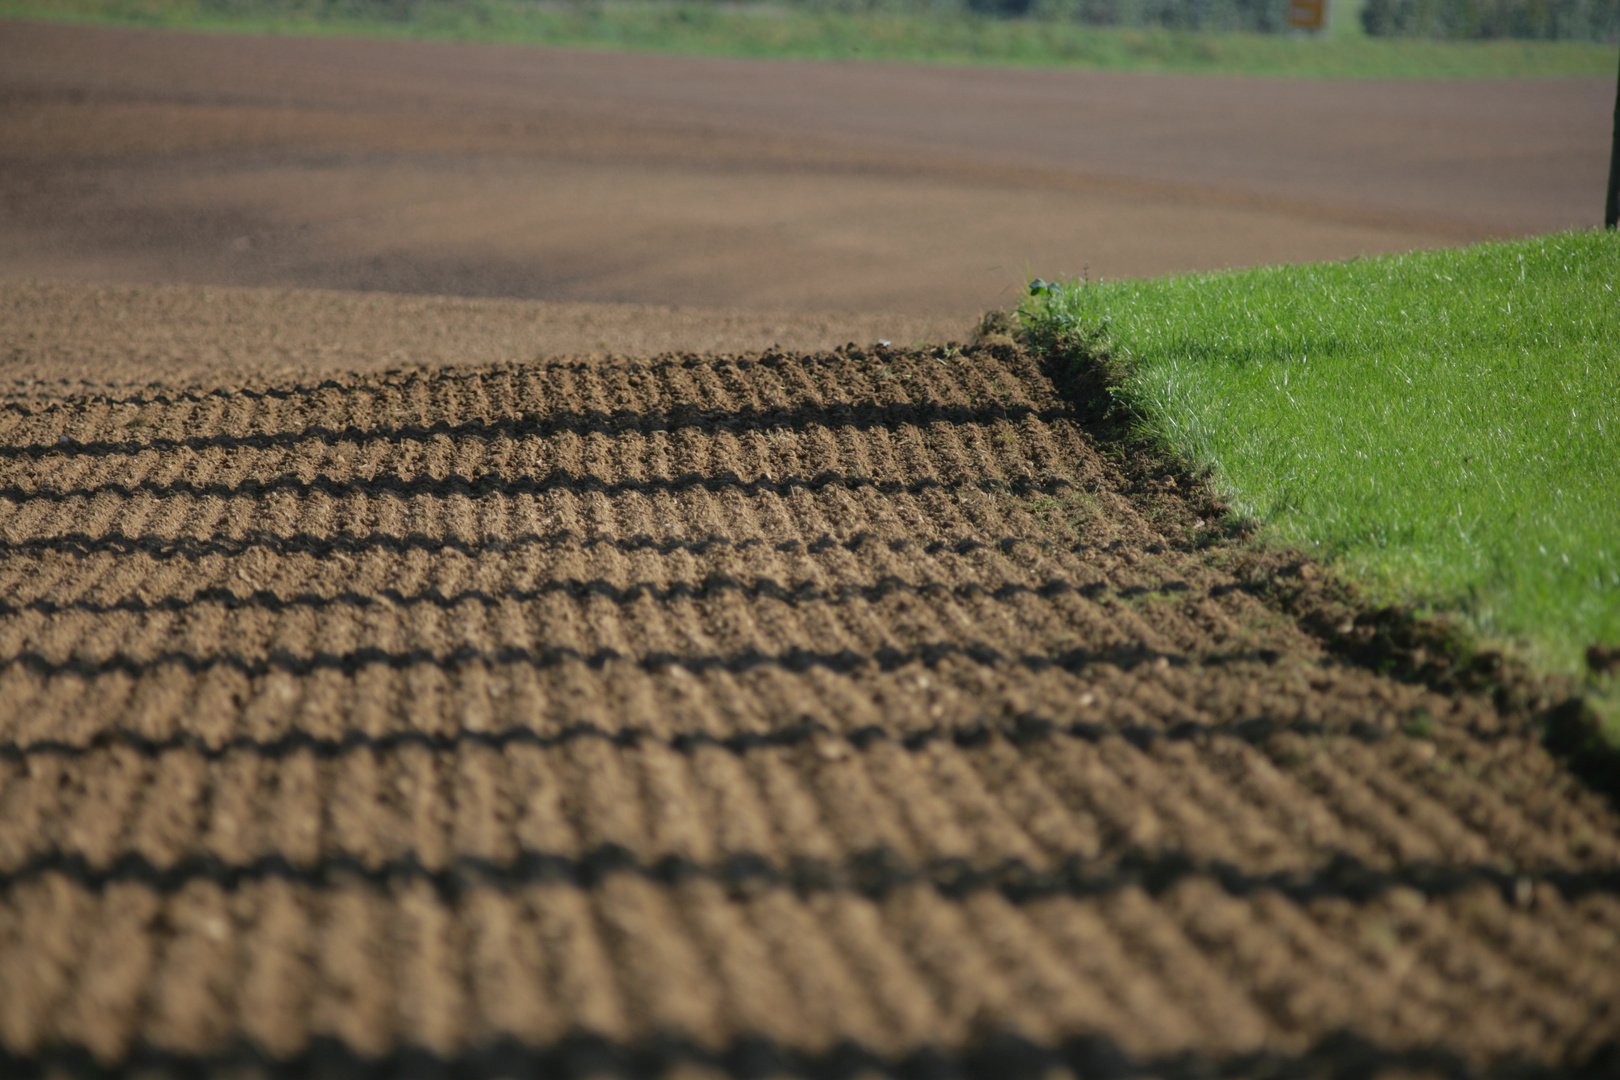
(843, 661)
(195, 548)
(874, 873)
(557, 480)
(1024, 730)
(994, 1055)
(862, 416)
(709, 587)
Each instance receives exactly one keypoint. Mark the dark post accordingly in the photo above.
(1611, 212)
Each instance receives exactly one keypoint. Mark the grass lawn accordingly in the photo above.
(809, 31)
(1444, 426)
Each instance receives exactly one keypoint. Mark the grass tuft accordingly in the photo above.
(1444, 425)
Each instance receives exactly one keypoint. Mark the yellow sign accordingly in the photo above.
(1307, 14)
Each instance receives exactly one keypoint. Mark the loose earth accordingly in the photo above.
(595, 665)
(867, 711)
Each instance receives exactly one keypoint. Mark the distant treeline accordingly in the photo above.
(1582, 20)
(1253, 16)
(1547, 20)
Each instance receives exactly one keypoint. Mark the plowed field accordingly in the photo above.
(839, 714)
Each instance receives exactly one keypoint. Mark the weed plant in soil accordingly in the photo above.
(1445, 425)
(818, 32)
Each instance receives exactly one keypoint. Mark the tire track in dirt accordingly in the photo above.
(807, 713)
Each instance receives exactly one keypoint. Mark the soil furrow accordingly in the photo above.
(760, 709)
(853, 855)
(1193, 962)
(1173, 797)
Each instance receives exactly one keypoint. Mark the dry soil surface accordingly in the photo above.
(476, 170)
(126, 335)
(836, 714)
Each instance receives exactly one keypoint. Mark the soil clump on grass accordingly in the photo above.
(769, 712)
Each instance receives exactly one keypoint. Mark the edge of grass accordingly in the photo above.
(797, 31)
(1416, 640)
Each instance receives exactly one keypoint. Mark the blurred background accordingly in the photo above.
(902, 155)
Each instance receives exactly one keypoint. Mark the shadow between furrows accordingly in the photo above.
(197, 547)
(862, 416)
(710, 587)
(874, 873)
(843, 661)
(401, 378)
(555, 481)
(1023, 730)
(993, 1055)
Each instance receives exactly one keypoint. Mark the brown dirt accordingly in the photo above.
(772, 713)
(389, 687)
(174, 335)
(447, 169)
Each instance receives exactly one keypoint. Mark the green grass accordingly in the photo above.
(802, 30)
(1444, 426)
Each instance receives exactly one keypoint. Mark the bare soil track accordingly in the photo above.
(834, 714)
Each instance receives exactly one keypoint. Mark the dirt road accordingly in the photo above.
(835, 714)
(488, 171)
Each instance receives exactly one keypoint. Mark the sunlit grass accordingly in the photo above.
(807, 30)
(1444, 425)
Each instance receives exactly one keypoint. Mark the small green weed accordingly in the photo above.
(1420, 725)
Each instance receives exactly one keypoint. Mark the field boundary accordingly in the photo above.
(1436, 651)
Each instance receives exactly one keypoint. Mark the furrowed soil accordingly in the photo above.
(840, 713)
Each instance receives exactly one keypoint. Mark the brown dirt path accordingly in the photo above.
(835, 714)
(447, 169)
